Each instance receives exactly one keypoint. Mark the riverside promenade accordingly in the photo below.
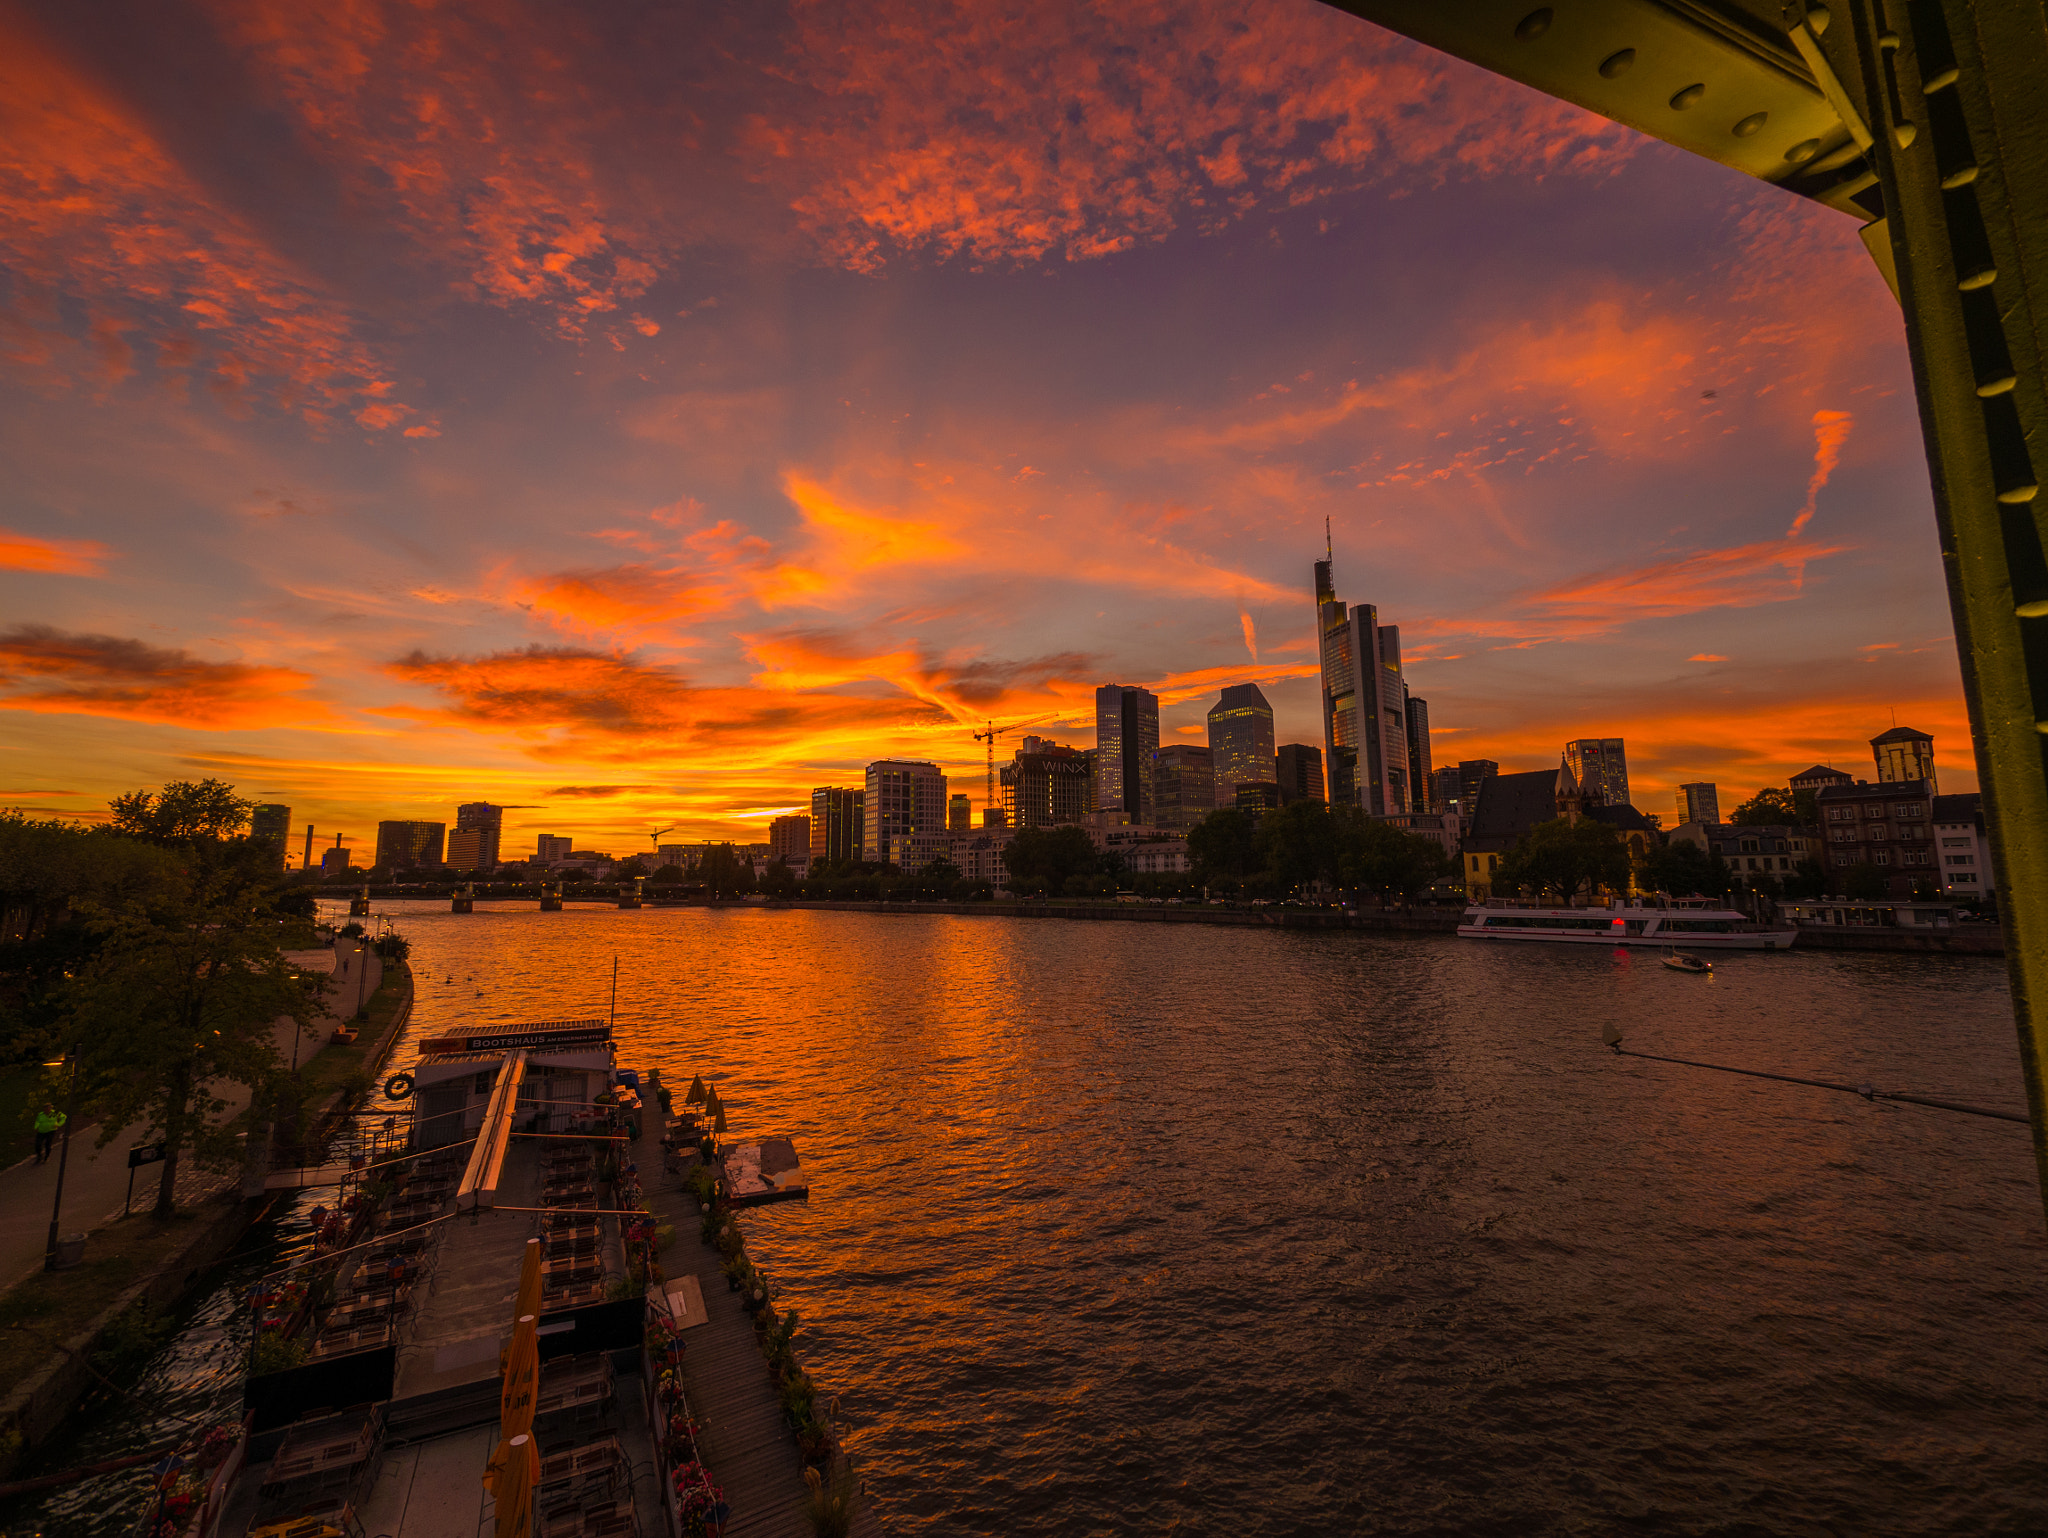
(96, 1178)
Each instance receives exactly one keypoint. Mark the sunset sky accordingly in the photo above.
(638, 414)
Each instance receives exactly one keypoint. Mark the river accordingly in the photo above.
(1130, 1228)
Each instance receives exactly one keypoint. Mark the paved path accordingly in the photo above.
(97, 1178)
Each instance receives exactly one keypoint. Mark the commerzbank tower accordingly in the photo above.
(1365, 703)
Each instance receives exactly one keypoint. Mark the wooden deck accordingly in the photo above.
(746, 1445)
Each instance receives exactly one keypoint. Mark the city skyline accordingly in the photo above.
(788, 464)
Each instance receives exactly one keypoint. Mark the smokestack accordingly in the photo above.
(309, 846)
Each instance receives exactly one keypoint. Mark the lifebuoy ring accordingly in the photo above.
(398, 1087)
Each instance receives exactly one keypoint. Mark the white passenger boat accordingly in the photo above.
(1698, 926)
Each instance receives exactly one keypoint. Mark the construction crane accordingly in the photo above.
(989, 736)
(655, 836)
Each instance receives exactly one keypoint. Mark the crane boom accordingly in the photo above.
(989, 736)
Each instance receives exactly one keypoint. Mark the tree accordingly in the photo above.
(1041, 859)
(1223, 848)
(181, 992)
(667, 875)
(1390, 862)
(724, 873)
(181, 813)
(1684, 870)
(631, 868)
(1778, 807)
(1561, 856)
(778, 880)
(930, 883)
(1298, 844)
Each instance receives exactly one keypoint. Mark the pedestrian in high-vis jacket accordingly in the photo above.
(49, 1122)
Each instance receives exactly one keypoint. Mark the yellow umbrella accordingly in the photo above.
(522, 1379)
(718, 1124)
(529, 1281)
(511, 1476)
(696, 1094)
(528, 1301)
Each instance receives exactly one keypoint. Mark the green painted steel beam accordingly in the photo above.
(1928, 121)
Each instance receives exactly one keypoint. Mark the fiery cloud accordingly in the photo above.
(1078, 128)
(1830, 432)
(50, 671)
(95, 206)
(53, 557)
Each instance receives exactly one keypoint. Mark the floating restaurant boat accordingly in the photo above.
(482, 1338)
(1694, 922)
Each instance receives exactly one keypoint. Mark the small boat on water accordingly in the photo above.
(1680, 961)
(1697, 922)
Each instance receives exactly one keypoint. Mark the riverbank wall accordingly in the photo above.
(1413, 921)
(37, 1405)
(1984, 940)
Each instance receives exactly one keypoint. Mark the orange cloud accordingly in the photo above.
(1830, 432)
(1768, 571)
(54, 557)
(50, 671)
(94, 205)
(1076, 128)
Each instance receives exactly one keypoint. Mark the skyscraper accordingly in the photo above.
(1904, 754)
(1126, 737)
(1301, 772)
(904, 796)
(1046, 785)
(1365, 711)
(1446, 786)
(1600, 765)
(489, 823)
(552, 846)
(838, 817)
(789, 839)
(1183, 785)
(272, 821)
(464, 846)
(1241, 741)
(959, 814)
(1418, 752)
(409, 843)
(1698, 802)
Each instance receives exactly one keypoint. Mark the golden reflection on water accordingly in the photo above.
(1121, 1227)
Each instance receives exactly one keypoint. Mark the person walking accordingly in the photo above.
(49, 1122)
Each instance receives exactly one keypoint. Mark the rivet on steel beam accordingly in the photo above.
(2013, 495)
(1751, 124)
(1903, 134)
(1940, 82)
(2038, 609)
(1889, 41)
(1616, 64)
(1687, 97)
(2041, 727)
(1983, 277)
(1817, 18)
(1998, 386)
(1803, 151)
(1961, 176)
(1533, 25)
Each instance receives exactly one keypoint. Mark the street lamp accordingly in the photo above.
(63, 1156)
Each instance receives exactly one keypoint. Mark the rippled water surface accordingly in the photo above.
(1139, 1229)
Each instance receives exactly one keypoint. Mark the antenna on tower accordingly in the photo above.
(1329, 551)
